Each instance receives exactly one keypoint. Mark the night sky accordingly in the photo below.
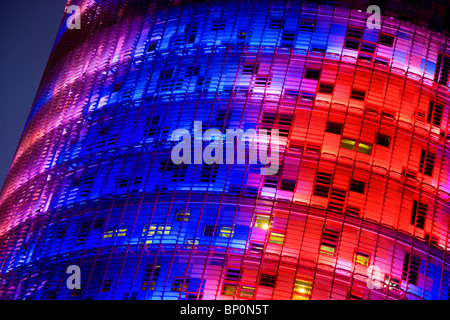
(27, 31)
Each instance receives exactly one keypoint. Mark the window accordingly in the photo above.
(362, 258)
(323, 184)
(435, 113)
(383, 140)
(353, 38)
(276, 238)
(150, 277)
(364, 148)
(276, 24)
(326, 88)
(180, 284)
(391, 282)
(411, 267)
(348, 144)
(268, 280)
(232, 277)
(302, 289)
(226, 232)
(307, 25)
(262, 221)
(106, 285)
(210, 231)
(330, 239)
(357, 186)
(358, 95)
(288, 185)
(419, 213)
(386, 39)
(183, 215)
(312, 74)
(442, 69)
(334, 127)
(427, 162)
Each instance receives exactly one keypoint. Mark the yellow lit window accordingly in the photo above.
(364, 148)
(122, 232)
(348, 144)
(362, 258)
(262, 221)
(182, 215)
(302, 289)
(327, 249)
(229, 290)
(277, 238)
(226, 232)
(108, 234)
(247, 291)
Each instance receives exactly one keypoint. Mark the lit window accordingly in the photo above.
(302, 289)
(183, 215)
(226, 232)
(348, 144)
(247, 291)
(364, 148)
(276, 238)
(180, 284)
(262, 221)
(362, 258)
(391, 282)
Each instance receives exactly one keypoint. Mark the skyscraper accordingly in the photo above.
(357, 209)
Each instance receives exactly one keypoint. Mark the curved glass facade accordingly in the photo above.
(358, 208)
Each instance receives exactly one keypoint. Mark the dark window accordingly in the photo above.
(276, 24)
(427, 162)
(312, 74)
(211, 231)
(268, 280)
(386, 39)
(353, 38)
(435, 113)
(326, 88)
(358, 94)
(368, 47)
(334, 127)
(288, 185)
(383, 140)
(442, 69)
(411, 267)
(357, 186)
(322, 185)
(419, 213)
(307, 25)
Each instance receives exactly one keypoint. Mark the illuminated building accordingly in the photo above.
(363, 187)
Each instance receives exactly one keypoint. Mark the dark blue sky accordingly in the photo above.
(27, 31)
